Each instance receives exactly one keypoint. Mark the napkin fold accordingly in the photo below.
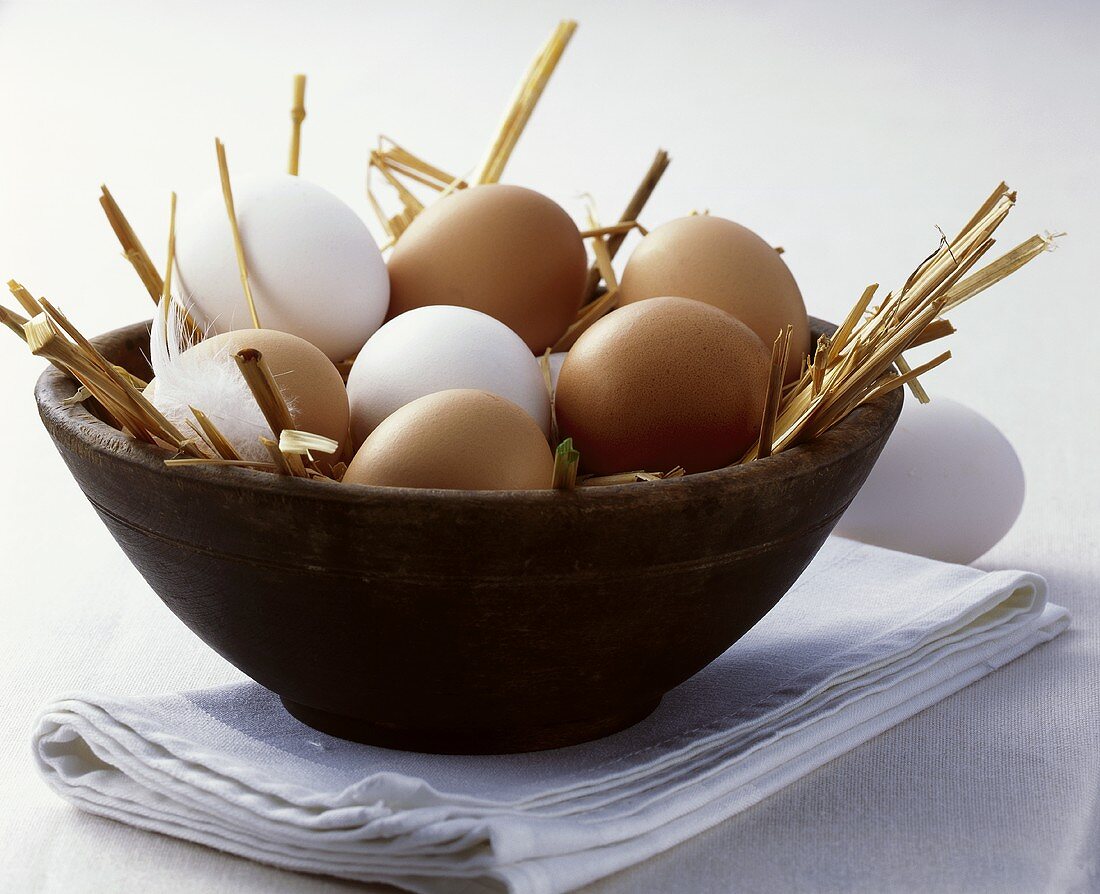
(866, 638)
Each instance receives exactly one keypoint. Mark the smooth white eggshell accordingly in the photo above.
(948, 485)
(439, 348)
(314, 267)
(556, 360)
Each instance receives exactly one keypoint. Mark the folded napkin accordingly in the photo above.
(866, 638)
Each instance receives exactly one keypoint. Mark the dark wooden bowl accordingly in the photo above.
(463, 621)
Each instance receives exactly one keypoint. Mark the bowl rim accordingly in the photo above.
(853, 433)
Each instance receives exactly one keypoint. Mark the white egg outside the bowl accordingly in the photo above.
(948, 485)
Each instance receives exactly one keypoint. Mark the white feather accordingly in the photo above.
(208, 381)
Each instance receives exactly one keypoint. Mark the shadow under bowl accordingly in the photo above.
(463, 621)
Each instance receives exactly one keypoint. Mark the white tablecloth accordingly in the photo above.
(843, 133)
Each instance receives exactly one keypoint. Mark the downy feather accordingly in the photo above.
(211, 382)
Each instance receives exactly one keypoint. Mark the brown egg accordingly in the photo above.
(462, 439)
(308, 380)
(717, 261)
(507, 251)
(662, 383)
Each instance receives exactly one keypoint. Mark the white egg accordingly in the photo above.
(313, 265)
(556, 360)
(438, 348)
(948, 485)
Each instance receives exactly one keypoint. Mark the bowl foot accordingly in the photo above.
(502, 740)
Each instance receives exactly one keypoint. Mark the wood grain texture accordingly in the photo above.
(470, 622)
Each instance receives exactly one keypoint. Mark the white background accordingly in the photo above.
(844, 132)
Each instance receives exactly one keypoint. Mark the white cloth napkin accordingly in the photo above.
(866, 638)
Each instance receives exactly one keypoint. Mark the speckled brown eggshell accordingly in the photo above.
(462, 439)
(507, 251)
(661, 383)
(308, 380)
(724, 264)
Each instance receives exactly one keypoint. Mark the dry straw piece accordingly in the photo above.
(132, 248)
(48, 333)
(632, 212)
(607, 240)
(854, 366)
(548, 381)
(399, 160)
(630, 477)
(51, 335)
(213, 436)
(16, 323)
(607, 301)
(170, 263)
(524, 102)
(238, 245)
(139, 259)
(297, 116)
(229, 463)
(303, 443)
(619, 229)
(270, 400)
(280, 460)
(780, 353)
(393, 162)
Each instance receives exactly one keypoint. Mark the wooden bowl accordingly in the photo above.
(463, 621)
